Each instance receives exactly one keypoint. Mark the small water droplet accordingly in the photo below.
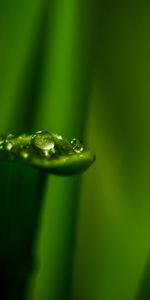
(62, 146)
(7, 145)
(77, 145)
(24, 154)
(9, 142)
(43, 143)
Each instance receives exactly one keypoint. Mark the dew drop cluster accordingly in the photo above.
(41, 144)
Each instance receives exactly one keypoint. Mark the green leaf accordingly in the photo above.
(47, 151)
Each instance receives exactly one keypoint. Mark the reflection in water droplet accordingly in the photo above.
(43, 143)
(77, 145)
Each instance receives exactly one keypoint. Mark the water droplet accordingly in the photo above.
(62, 146)
(9, 142)
(7, 145)
(77, 145)
(43, 143)
(24, 154)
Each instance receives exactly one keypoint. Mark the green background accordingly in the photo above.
(82, 69)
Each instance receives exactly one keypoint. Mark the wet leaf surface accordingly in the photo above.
(48, 151)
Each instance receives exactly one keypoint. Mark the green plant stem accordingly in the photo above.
(21, 190)
(144, 286)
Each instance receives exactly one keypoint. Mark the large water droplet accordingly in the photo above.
(43, 143)
(77, 145)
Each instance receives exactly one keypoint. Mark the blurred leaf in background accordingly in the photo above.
(112, 260)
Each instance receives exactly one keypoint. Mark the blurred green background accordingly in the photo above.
(82, 69)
